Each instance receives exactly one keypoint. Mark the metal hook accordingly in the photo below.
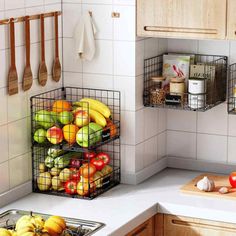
(15, 20)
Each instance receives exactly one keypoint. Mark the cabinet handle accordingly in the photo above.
(140, 230)
(180, 30)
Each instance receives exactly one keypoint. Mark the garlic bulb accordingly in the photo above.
(206, 184)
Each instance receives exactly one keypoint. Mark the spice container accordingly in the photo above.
(157, 92)
(197, 93)
(177, 86)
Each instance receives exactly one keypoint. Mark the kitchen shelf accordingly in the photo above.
(232, 90)
(105, 140)
(216, 84)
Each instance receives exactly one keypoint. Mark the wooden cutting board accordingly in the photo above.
(220, 181)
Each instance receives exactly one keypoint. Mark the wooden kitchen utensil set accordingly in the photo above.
(43, 72)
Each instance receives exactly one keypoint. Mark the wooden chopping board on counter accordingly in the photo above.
(220, 181)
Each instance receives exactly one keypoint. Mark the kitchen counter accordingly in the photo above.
(124, 207)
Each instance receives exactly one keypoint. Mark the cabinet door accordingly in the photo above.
(231, 20)
(184, 226)
(182, 18)
(145, 229)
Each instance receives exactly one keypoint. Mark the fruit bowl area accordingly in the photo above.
(75, 141)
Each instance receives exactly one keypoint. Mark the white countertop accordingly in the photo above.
(124, 207)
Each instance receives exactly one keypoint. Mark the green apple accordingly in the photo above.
(89, 135)
(44, 119)
(65, 117)
(40, 135)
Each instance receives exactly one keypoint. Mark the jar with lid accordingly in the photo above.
(157, 93)
(177, 86)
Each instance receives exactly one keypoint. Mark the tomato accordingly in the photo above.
(87, 170)
(71, 187)
(232, 179)
(105, 157)
(75, 163)
(98, 163)
(89, 155)
(75, 174)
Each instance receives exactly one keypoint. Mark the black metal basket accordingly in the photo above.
(95, 137)
(89, 187)
(72, 128)
(215, 84)
(232, 89)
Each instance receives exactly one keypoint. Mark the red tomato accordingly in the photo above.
(105, 157)
(89, 155)
(87, 170)
(232, 179)
(75, 174)
(98, 163)
(71, 187)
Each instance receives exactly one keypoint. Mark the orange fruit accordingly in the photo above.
(61, 105)
(69, 132)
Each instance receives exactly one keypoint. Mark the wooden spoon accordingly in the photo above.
(12, 76)
(28, 77)
(43, 73)
(56, 70)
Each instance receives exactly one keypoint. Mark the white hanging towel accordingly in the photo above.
(84, 37)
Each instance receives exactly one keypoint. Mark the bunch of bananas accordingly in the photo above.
(97, 110)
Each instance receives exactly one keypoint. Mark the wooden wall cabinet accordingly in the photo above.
(231, 20)
(199, 19)
(185, 226)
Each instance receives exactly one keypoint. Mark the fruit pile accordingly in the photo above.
(74, 173)
(85, 122)
(29, 225)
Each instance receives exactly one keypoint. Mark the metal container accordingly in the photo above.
(75, 227)
(197, 86)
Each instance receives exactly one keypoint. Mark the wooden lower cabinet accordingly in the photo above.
(145, 229)
(170, 225)
(185, 226)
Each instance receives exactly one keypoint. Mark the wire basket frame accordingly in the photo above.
(232, 89)
(214, 84)
(94, 135)
(52, 180)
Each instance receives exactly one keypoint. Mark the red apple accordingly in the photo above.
(54, 135)
(81, 118)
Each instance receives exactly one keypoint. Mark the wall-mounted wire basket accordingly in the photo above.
(215, 84)
(232, 89)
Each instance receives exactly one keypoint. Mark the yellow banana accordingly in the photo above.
(97, 106)
(96, 116)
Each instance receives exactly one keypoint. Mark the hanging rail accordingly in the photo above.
(32, 17)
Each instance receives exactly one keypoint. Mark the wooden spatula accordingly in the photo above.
(43, 73)
(56, 70)
(28, 77)
(12, 76)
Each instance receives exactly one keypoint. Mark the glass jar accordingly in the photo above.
(157, 93)
(177, 87)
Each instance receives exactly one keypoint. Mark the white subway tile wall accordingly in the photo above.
(15, 158)
(118, 65)
(212, 134)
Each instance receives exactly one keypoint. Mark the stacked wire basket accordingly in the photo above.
(75, 150)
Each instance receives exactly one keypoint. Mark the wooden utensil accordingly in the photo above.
(12, 76)
(43, 73)
(28, 77)
(56, 70)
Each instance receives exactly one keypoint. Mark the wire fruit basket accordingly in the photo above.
(75, 141)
